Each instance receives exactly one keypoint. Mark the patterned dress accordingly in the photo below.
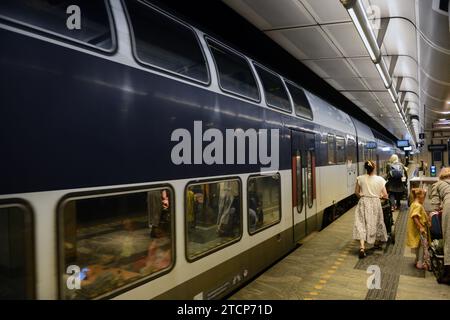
(369, 223)
(440, 198)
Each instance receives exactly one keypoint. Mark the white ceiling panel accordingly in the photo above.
(409, 84)
(400, 38)
(405, 66)
(264, 15)
(374, 83)
(320, 10)
(395, 8)
(346, 38)
(385, 99)
(347, 83)
(335, 68)
(313, 65)
(311, 42)
(364, 66)
(364, 96)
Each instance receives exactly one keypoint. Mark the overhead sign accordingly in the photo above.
(402, 143)
(407, 148)
(371, 145)
(437, 147)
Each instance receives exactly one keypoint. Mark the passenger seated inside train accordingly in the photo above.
(116, 239)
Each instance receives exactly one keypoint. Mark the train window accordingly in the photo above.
(275, 92)
(235, 75)
(340, 149)
(114, 240)
(301, 104)
(361, 148)
(351, 149)
(84, 21)
(299, 181)
(264, 205)
(331, 142)
(162, 42)
(16, 252)
(310, 177)
(213, 216)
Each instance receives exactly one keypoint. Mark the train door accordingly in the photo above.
(303, 184)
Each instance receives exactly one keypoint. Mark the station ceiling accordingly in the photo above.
(412, 35)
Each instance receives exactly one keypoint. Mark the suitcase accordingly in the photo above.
(388, 219)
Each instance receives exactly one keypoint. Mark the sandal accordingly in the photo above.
(362, 253)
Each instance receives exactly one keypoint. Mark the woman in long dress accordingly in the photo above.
(369, 224)
(440, 199)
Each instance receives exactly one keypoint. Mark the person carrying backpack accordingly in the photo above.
(395, 185)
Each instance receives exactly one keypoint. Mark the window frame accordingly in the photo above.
(208, 40)
(68, 40)
(286, 82)
(21, 203)
(253, 176)
(99, 194)
(220, 247)
(158, 68)
(257, 65)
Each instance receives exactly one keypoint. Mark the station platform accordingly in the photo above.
(326, 267)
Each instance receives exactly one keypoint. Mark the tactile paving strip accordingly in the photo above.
(392, 262)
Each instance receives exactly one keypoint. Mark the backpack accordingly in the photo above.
(396, 171)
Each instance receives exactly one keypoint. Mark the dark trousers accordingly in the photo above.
(395, 197)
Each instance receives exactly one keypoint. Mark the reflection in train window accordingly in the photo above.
(16, 253)
(213, 216)
(276, 95)
(299, 181)
(340, 149)
(331, 141)
(351, 149)
(115, 240)
(165, 43)
(234, 72)
(301, 104)
(264, 206)
(94, 28)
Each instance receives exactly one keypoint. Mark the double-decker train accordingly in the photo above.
(144, 159)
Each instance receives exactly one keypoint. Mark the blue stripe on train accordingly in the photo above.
(70, 120)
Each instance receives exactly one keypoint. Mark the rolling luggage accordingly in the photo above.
(437, 259)
(388, 219)
(436, 225)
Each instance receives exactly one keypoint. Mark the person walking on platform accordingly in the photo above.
(395, 185)
(440, 200)
(418, 234)
(369, 224)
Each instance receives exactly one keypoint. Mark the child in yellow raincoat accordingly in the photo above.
(418, 234)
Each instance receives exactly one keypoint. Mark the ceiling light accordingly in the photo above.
(382, 70)
(393, 94)
(358, 15)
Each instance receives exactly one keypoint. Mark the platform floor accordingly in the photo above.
(327, 267)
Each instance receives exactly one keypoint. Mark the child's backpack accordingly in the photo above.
(436, 225)
(396, 170)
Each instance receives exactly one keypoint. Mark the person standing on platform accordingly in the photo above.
(396, 172)
(440, 200)
(369, 224)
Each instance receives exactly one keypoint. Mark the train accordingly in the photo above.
(145, 159)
